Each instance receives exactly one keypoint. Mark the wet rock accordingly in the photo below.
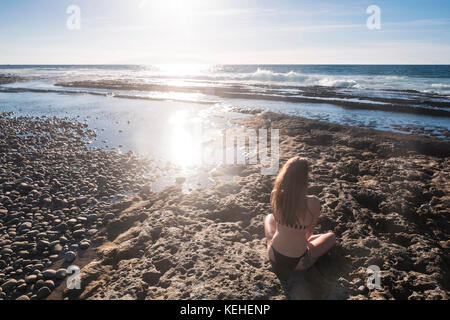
(42, 245)
(70, 256)
(49, 274)
(108, 216)
(31, 278)
(81, 200)
(79, 233)
(24, 226)
(25, 188)
(43, 292)
(84, 245)
(60, 274)
(49, 284)
(92, 232)
(9, 284)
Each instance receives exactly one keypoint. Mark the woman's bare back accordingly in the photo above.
(294, 243)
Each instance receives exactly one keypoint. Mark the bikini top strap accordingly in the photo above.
(297, 225)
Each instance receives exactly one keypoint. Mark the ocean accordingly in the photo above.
(132, 107)
(423, 78)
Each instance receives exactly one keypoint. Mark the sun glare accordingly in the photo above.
(177, 13)
(185, 139)
(182, 69)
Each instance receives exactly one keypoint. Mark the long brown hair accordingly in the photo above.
(288, 199)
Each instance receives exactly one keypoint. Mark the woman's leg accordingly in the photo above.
(321, 245)
(318, 245)
(311, 238)
(270, 227)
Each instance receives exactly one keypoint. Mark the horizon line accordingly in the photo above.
(224, 64)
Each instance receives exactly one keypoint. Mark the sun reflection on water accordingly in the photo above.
(186, 139)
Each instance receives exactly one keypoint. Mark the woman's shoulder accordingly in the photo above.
(313, 198)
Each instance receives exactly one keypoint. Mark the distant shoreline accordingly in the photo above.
(308, 94)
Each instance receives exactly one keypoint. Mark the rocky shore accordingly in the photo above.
(53, 193)
(7, 78)
(414, 102)
(385, 195)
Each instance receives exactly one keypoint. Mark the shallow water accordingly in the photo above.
(165, 128)
(375, 119)
(162, 131)
(357, 83)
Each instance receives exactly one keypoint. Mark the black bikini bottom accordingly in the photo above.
(283, 265)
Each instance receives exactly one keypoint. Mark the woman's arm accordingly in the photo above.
(315, 210)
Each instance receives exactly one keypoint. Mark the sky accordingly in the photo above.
(224, 31)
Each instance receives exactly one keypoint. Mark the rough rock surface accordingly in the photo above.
(9, 78)
(386, 197)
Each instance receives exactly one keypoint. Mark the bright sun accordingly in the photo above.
(169, 8)
(173, 17)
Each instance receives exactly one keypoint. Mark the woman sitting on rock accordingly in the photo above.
(289, 230)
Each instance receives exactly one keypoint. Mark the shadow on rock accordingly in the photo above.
(326, 280)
